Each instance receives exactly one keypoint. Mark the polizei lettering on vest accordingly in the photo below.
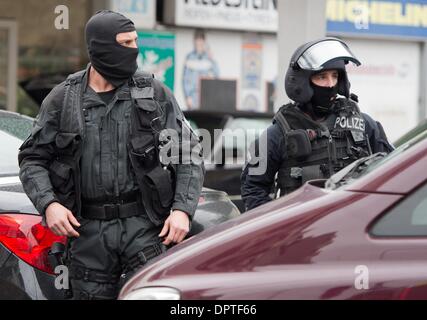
(245, 4)
(350, 123)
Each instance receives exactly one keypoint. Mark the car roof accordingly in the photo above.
(11, 114)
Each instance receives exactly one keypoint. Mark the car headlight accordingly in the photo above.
(153, 293)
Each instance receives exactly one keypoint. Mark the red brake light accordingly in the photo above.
(26, 238)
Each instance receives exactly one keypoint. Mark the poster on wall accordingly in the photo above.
(251, 73)
(157, 55)
(214, 64)
(199, 64)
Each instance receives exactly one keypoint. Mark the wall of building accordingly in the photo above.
(43, 48)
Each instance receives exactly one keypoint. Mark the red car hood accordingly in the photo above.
(168, 264)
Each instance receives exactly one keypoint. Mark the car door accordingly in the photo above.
(401, 238)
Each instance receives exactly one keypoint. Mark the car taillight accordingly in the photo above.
(26, 238)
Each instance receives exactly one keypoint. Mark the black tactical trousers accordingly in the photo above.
(106, 250)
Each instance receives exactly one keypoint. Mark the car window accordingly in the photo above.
(16, 125)
(9, 154)
(407, 219)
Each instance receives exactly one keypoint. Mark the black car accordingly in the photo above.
(26, 267)
(229, 148)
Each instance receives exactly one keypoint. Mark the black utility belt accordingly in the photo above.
(123, 198)
(110, 211)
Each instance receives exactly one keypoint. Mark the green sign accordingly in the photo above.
(157, 55)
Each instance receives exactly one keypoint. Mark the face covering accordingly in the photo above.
(321, 99)
(113, 61)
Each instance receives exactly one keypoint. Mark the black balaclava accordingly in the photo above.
(323, 99)
(113, 61)
(323, 96)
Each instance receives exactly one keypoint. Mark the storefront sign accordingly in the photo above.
(248, 15)
(406, 18)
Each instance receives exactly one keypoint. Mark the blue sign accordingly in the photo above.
(131, 6)
(406, 18)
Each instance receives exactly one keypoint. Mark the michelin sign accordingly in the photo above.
(248, 15)
(406, 18)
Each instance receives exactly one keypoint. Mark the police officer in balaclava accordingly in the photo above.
(92, 167)
(111, 44)
(318, 134)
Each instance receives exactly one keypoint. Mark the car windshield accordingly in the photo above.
(9, 154)
(366, 165)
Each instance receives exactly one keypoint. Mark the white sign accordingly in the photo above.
(141, 12)
(387, 82)
(248, 15)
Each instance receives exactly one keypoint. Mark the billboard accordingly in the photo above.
(261, 15)
(157, 55)
(227, 64)
(404, 18)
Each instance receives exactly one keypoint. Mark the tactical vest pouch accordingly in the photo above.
(145, 106)
(67, 143)
(61, 170)
(299, 144)
(156, 183)
(62, 181)
(160, 182)
(147, 158)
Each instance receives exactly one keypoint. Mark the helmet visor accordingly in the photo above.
(323, 52)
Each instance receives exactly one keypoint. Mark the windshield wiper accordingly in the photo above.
(357, 167)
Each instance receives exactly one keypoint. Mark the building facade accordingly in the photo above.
(223, 54)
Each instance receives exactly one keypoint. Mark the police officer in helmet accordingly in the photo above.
(318, 134)
(96, 169)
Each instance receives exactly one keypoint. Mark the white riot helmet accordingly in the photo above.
(313, 57)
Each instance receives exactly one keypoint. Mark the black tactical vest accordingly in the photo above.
(156, 182)
(317, 150)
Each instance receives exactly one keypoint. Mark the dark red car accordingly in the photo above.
(343, 238)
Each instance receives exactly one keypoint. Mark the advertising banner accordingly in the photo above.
(405, 18)
(157, 55)
(259, 15)
(251, 74)
(223, 70)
